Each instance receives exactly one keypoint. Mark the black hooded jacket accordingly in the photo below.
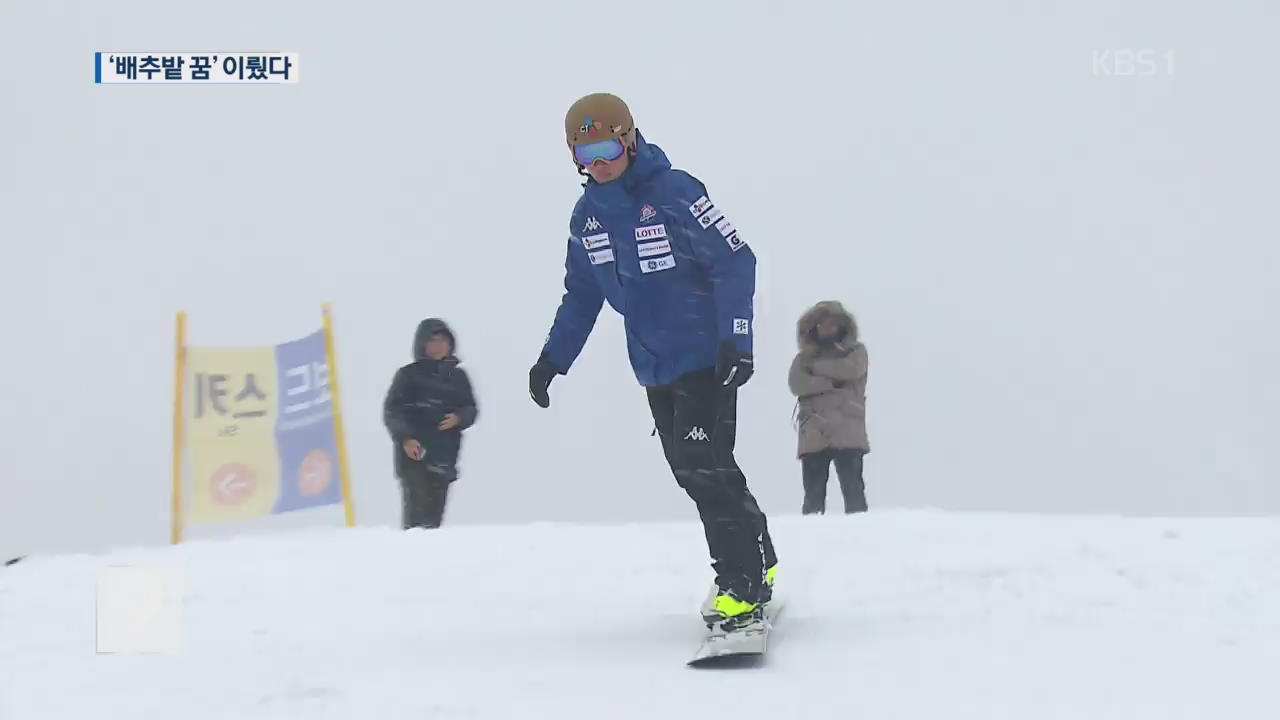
(423, 392)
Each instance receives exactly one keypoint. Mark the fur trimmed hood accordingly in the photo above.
(806, 326)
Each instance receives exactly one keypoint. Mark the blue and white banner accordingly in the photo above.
(195, 68)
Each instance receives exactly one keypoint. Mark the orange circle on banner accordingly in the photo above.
(232, 484)
(315, 474)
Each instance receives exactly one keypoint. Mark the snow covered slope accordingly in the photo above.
(890, 615)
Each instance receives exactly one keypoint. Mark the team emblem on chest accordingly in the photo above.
(647, 213)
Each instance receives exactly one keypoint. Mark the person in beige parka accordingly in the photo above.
(829, 377)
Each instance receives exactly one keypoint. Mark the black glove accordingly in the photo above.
(540, 377)
(734, 367)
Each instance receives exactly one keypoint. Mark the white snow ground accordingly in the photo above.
(902, 614)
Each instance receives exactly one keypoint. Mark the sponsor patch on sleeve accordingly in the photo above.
(735, 241)
(699, 206)
(710, 218)
(741, 326)
(725, 227)
(600, 257)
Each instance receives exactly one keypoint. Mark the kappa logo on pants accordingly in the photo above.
(698, 434)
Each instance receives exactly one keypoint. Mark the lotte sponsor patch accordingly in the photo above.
(651, 232)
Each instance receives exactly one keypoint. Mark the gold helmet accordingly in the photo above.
(599, 116)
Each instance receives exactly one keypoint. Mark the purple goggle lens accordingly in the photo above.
(607, 150)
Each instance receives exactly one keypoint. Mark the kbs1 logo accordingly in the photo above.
(195, 68)
(1129, 62)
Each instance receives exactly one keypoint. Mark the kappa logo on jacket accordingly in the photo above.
(592, 225)
(697, 434)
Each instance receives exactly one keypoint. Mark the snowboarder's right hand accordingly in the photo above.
(733, 367)
(540, 377)
(414, 449)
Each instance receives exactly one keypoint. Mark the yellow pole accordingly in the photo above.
(348, 502)
(179, 393)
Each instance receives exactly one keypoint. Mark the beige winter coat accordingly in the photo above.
(830, 416)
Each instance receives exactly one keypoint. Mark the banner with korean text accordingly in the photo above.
(257, 431)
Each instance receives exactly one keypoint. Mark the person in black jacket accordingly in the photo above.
(429, 404)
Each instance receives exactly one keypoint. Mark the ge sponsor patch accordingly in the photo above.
(665, 262)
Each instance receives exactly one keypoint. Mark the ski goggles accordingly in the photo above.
(607, 150)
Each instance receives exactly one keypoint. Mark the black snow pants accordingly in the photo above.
(424, 490)
(816, 472)
(696, 418)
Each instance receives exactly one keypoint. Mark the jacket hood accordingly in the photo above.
(806, 335)
(649, 160)
(426, 329)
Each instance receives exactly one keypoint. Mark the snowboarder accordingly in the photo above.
(829, 376)
(428, 406)
(648, 239)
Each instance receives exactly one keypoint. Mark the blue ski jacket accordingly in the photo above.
(654, 245)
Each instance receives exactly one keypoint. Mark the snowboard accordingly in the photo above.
(737, 648)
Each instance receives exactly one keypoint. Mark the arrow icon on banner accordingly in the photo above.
(232, 483)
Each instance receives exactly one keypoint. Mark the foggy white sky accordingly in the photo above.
(1066, 281)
